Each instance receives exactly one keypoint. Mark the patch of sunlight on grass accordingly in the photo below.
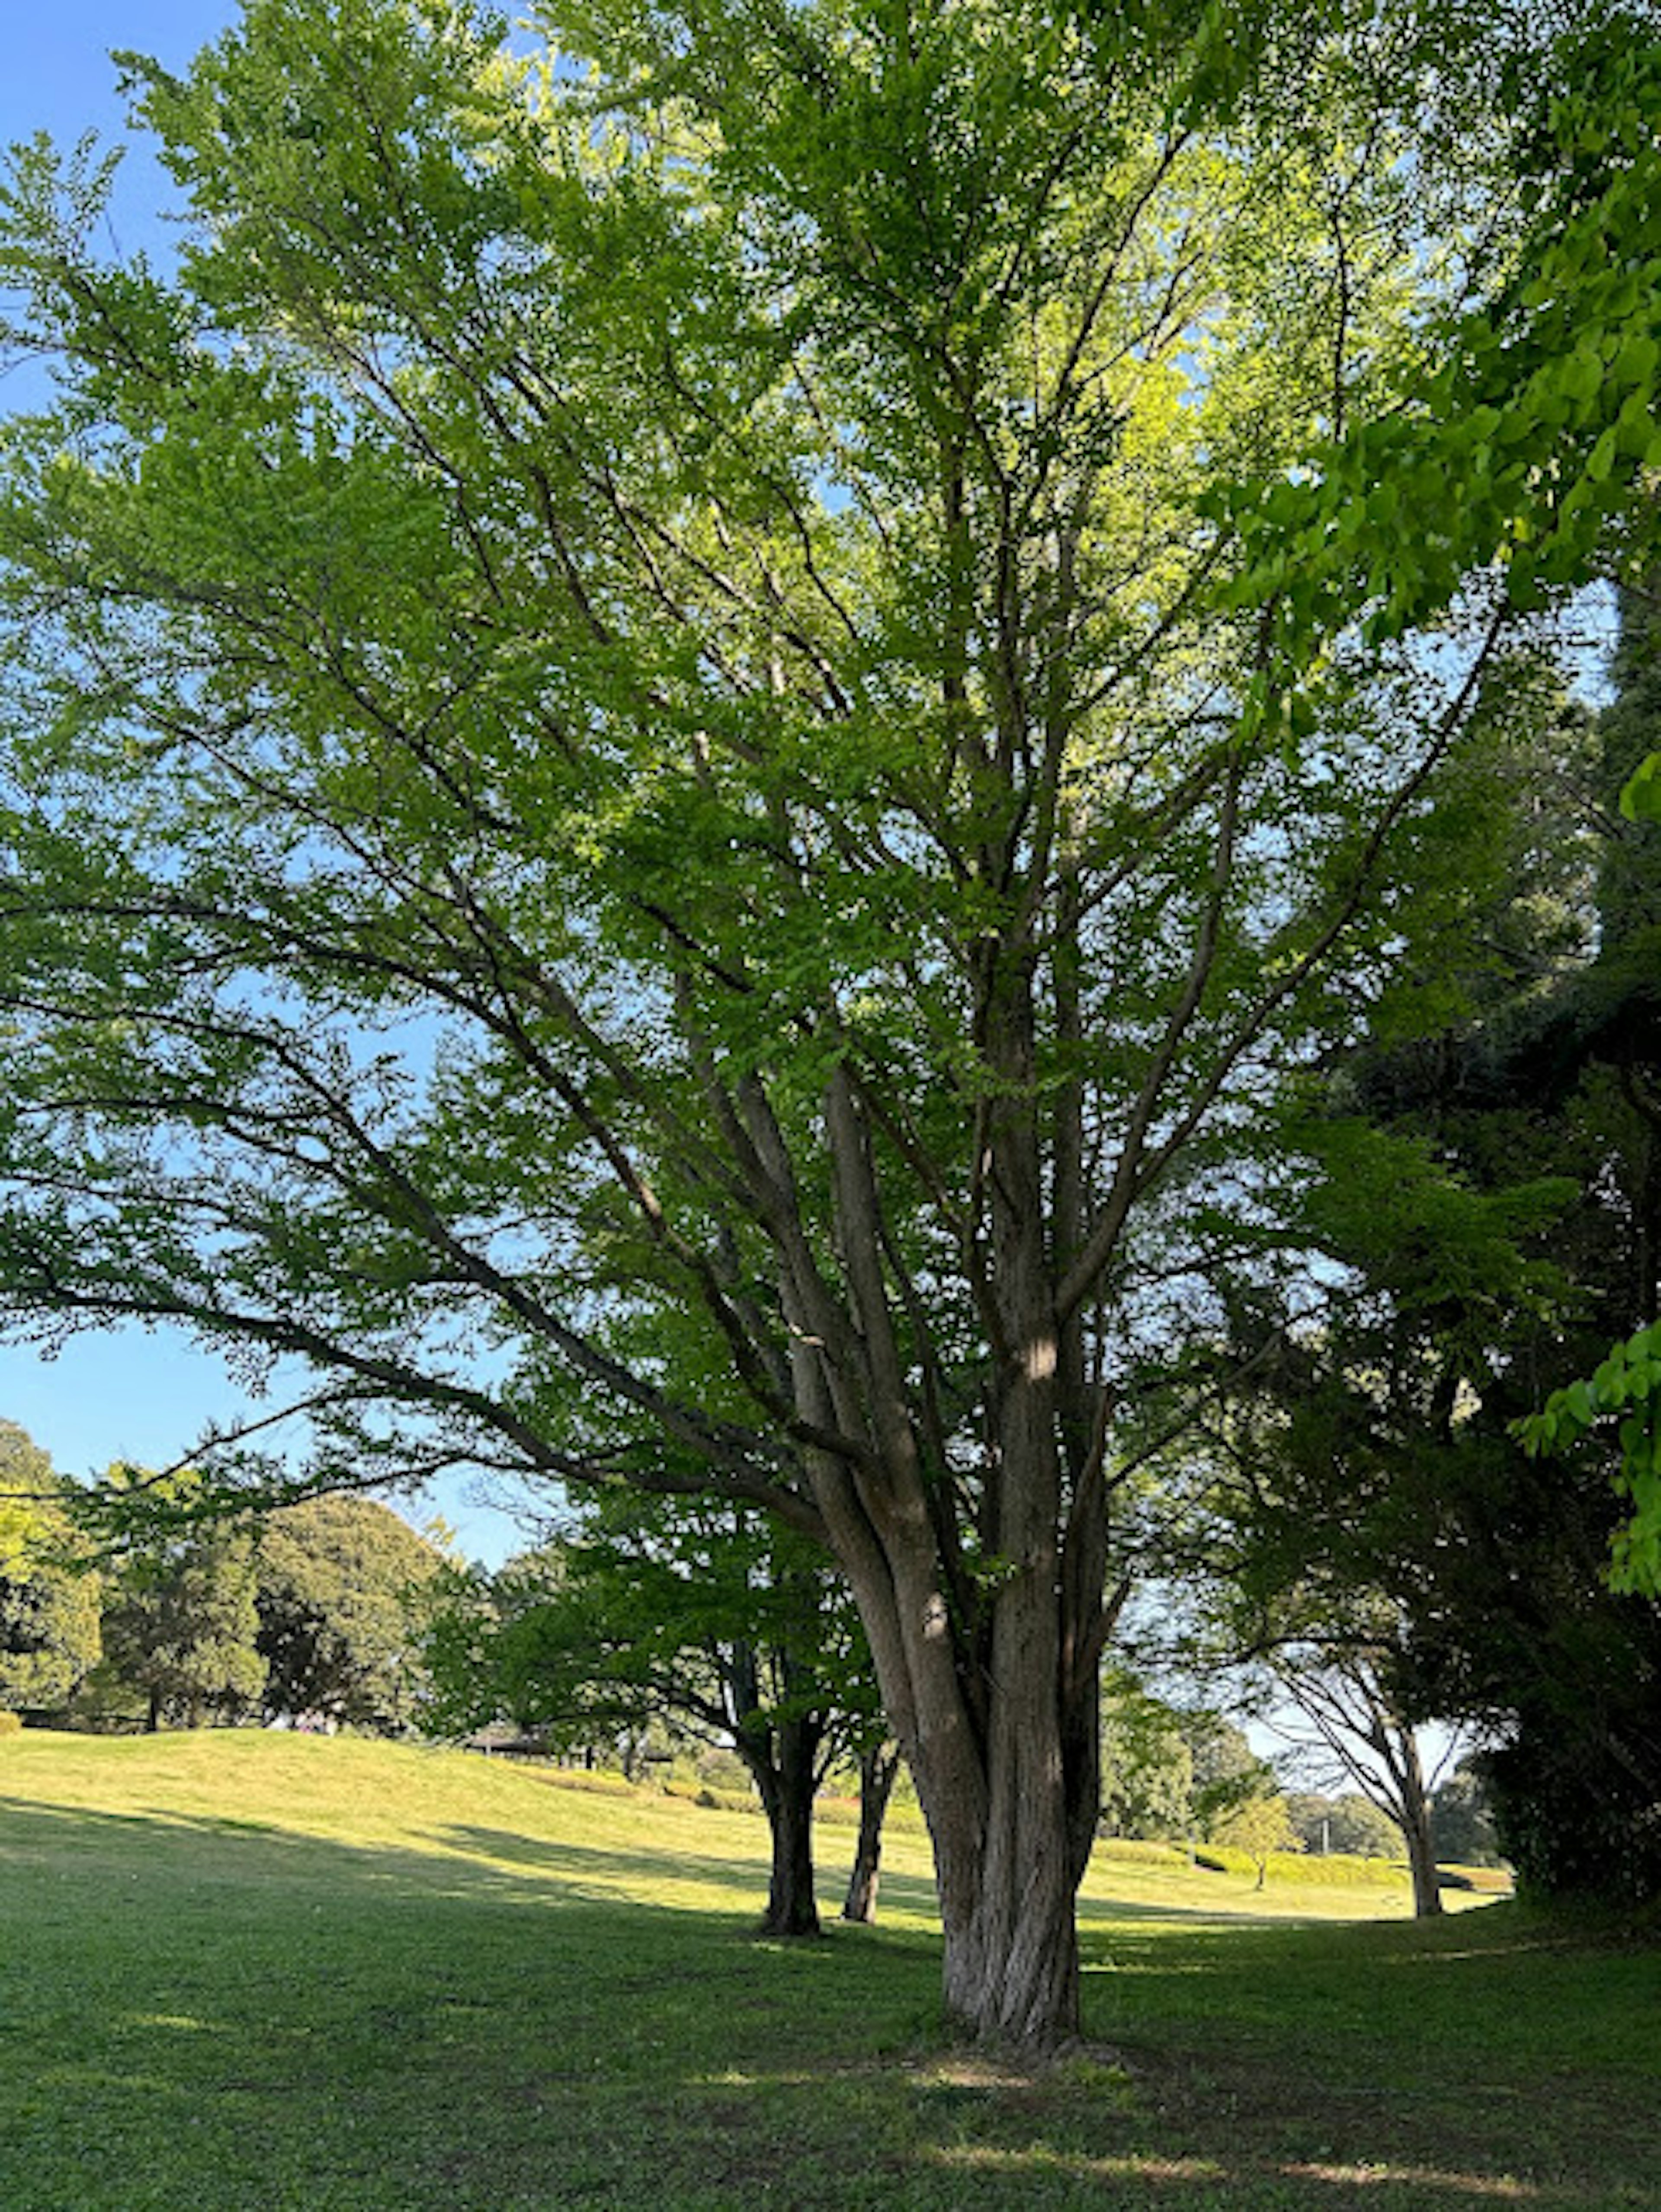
(180, 2022)
(1502, 2187)
(1159, 1964)
(1040, 2161)
(735, 2077)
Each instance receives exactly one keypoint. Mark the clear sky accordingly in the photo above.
(56, 74)
(135, 1395)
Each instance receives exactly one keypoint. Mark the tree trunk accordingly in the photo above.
(1421, 1863)
(785, 1773)
(998, 1797)
(1012, 1953)
(879, 1768)
(1415, 1799)
(1009, 1881)
(986, 1635)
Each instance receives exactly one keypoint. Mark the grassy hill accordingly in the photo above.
(244, 1971)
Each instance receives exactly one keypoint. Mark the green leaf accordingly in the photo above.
(1640, 800)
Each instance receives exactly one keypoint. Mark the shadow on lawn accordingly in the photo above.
(495, 1864)
(593, 1869)
(302, 2023)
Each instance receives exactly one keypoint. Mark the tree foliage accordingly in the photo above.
(1348, 1823)
(731, 1631)
(49, 1594)
(1463, 1818)
(1147, 1767)
(180, 1629)
(339, 1587)
(1258, 1823)
(1382, 1467)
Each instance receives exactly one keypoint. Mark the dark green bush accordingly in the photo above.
(1580, 1825)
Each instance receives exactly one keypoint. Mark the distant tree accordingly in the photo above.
(1462, 1818)
(1362, 1829)
(1349, 1823)
(1226, 1769)
(1258, 1823)
(880, 1770)
(339, 1584)
(1343, 1715)
(49, 1601)
(716, 1620)
(181, 1624)
(1147, 1766)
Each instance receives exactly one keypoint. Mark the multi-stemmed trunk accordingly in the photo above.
(1005, 1767)
(986, 1635)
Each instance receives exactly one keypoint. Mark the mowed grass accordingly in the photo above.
(240, 1971)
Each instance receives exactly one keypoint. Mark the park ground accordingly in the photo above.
(250, 1974)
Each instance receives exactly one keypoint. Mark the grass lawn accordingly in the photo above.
(253, 1973)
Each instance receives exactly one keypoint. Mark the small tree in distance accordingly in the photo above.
(1260, 1825)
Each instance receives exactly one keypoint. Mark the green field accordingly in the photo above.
(242, 1971)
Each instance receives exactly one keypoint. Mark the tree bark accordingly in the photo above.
(1427, 1887)
(880, 1767)
(784, 1763)
(988, 1657)
(1421, 1850)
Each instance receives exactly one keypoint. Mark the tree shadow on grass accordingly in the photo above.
(201, 2014)
(602, 1870)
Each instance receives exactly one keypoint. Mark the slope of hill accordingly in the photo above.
(249, 1973)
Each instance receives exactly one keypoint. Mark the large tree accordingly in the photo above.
(621, 700)
(1495, 1218)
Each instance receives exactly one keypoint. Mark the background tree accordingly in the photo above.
(1258, 1823)
(1497, 1210)
(180, 1626)
(1618, 1003)
(1147, 1766)
(338, 1585)
(626, 702)
(1225, 1767)
(1350, 1823)
(727, 1628)
(1294, 1615)
(1463, 1819)
(49, 1601)
(880, 1770)
(1344, 1715)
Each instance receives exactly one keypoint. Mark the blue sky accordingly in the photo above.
(57, 75)
(133, 1394)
